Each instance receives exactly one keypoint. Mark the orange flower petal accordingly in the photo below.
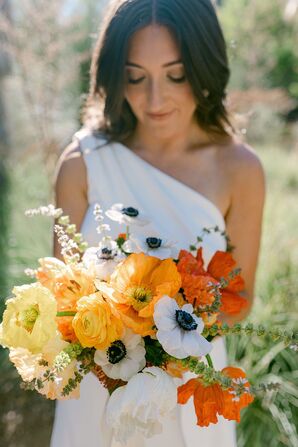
(165, 279)
(211, 401)
(197, 289)
(139, 282)
(186, 391)
(231, 409)
(220, 266)
(189, 264)
(135, 270)
(208, 401)
(232, 303)
(199, 258)
(141, 326)
(175, 369)
(65, 328)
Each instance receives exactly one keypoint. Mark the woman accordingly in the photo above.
(165, 145)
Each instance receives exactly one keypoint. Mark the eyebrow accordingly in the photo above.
(168, 64)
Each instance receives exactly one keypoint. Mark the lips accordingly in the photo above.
(159, 116)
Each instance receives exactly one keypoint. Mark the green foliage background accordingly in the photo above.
(261, 41)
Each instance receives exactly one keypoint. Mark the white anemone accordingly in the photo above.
(104, 259)
(126, 215)
(179, 329)
(152, 246)
(123, 358)
(141, 405)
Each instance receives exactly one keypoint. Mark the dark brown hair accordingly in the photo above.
(195, 26)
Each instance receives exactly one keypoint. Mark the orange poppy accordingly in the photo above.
(189, 264)
(211, 400)
(221, 266)
(208, 400)
(137, 284)
(232, 403)
(198, 283)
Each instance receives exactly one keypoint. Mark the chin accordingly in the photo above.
(163, 131)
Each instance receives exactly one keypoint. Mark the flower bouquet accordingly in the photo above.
(139, 315)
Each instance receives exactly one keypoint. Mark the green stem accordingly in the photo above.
(66, 313)
(209, 361)
(127, 232)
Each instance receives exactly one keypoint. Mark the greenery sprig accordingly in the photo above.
(209, 376)
(209, 230)
(249, 329)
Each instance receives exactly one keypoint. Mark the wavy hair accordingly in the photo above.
(195, 26)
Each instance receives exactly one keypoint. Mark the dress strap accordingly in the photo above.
(89, 141)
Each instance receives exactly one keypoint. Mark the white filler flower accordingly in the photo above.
(104, 259)
(126, 215)
(179, 330)
(123, 358)
(152, 246)
(141, 404)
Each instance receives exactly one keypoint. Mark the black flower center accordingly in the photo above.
(105, 253)
(185, 320)
(130, 211)
(153, 242)
(116, 352)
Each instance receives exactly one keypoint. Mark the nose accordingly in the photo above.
(155, 96)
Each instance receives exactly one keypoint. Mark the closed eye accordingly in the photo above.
(177, 80)
(135, 81)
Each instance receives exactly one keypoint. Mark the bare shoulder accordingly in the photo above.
(71, 167)
(71, 187)
(243, 165)
(71, 159)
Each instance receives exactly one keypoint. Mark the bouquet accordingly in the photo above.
(138, 314)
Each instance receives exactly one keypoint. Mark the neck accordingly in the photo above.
(170, 145)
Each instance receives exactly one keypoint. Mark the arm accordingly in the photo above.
(244, 218)
(71, 188)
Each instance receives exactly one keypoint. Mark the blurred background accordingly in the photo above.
(45, 50)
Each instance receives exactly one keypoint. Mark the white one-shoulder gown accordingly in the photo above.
(178, 213)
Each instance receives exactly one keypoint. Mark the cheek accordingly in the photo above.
(187, 99)
(135, 97)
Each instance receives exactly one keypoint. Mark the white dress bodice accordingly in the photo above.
(177, 213)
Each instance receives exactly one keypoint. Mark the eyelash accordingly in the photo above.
(176, 80)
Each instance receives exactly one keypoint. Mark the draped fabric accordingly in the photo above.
(177, 213)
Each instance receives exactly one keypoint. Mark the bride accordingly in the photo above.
(164, 145)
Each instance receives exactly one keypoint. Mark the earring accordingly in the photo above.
(205, 93)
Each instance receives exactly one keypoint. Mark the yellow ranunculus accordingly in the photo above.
(96, 323)
(29, 318)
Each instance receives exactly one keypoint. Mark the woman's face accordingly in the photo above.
(155, 87)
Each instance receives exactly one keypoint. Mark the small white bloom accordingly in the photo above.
(240, 381)
(179, 330)
(123, 358)
(152, 246)
(104, 259)
(103, 228)
(142, 404)
(126, 215)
